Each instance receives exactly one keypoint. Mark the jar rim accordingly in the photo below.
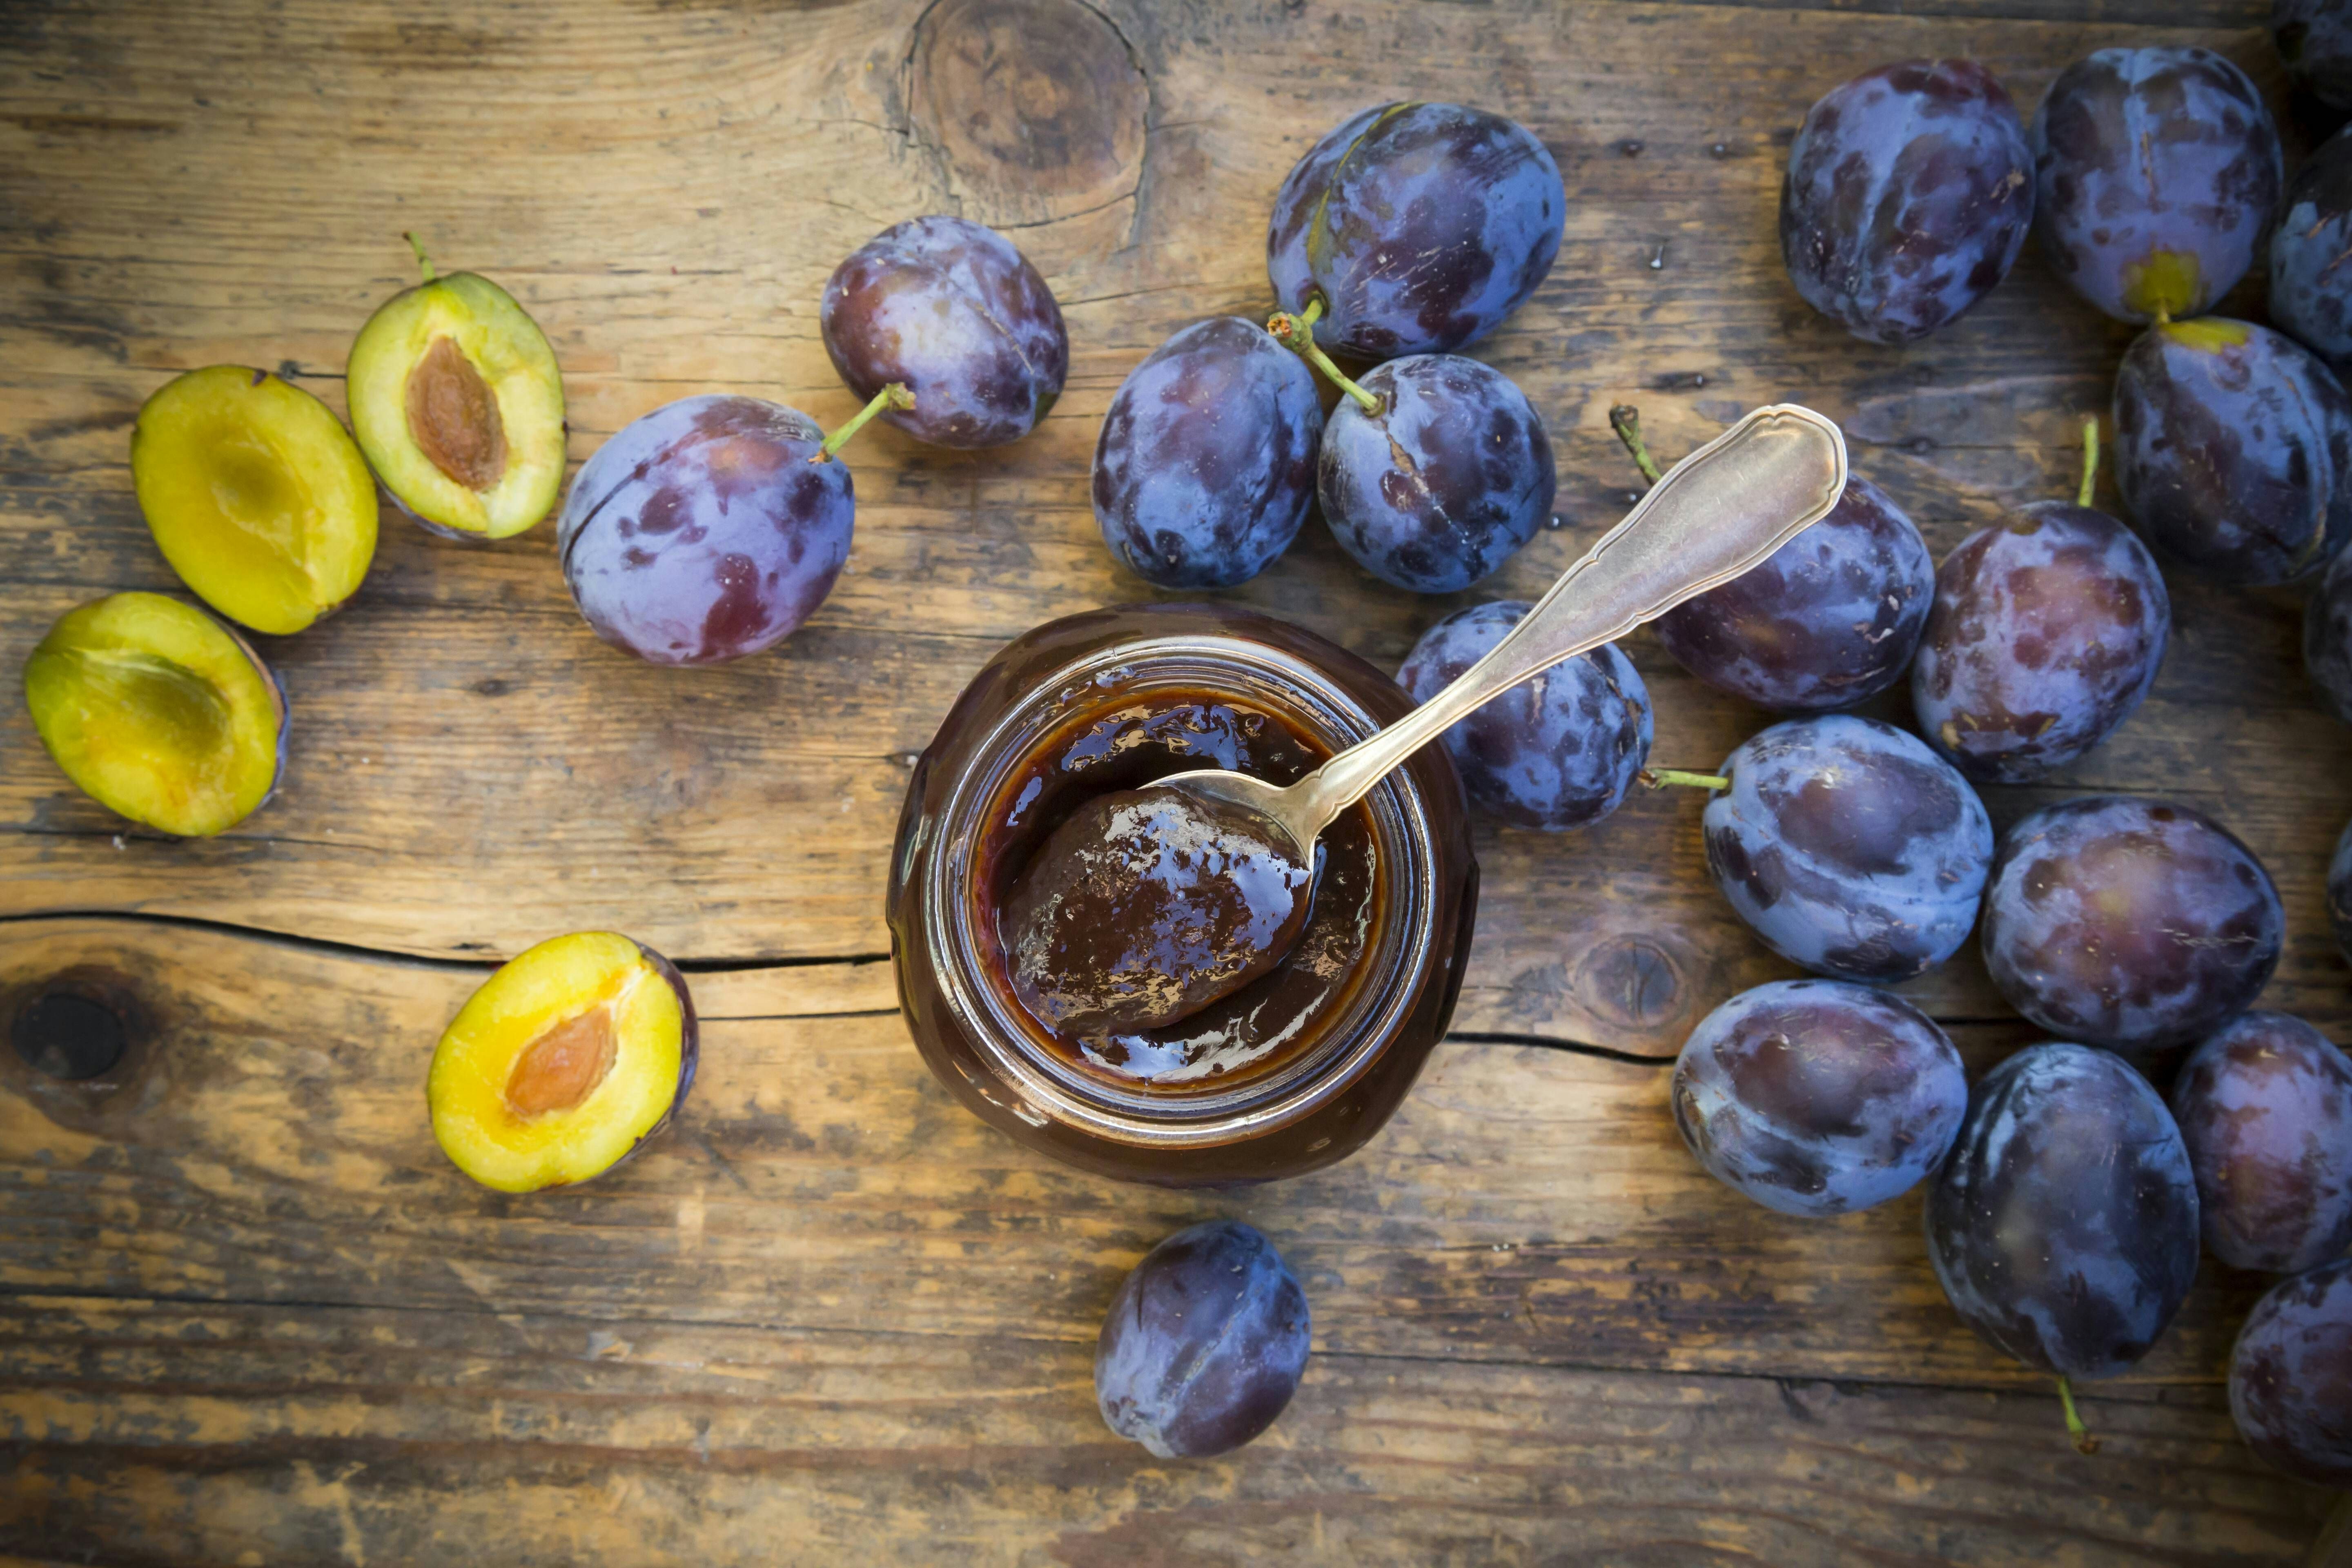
(1044, 1088)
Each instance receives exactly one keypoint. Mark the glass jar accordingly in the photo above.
(1298, 1069)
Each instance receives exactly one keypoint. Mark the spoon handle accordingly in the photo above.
(1716, 513)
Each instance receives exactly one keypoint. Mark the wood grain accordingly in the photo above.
(249, 1313)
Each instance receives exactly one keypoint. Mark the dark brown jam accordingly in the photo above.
(1131, 979)
(1303, 1062)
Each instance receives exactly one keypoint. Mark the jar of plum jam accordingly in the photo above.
(1302, 1065)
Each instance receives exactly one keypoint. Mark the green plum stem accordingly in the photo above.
(422, 260)
(2090, 458)
(2083, 1442)
(1297, 333)
(894, 396)
(1626, 420)
(1676, 778)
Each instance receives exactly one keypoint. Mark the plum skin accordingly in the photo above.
(1557, 752)
(2265, 1107)
(952, 311)
(702, 531)
(1829, 619)
(2063, 1225)
(1445, 483)
(2157, 171)
(1203, 1344)
(1205, 466)
(2311, 291)
(2327, 636)
(1849, 847)
(2314, 40)
(1422, 226)
(1908, 195)
(1818, 1096)
(2339, 892)
(2291, 1377)
(2139, 925)
(2047, 631)
(2234, 449)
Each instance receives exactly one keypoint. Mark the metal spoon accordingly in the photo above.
(1716, 513)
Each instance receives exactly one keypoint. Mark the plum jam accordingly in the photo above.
(1274, 1042)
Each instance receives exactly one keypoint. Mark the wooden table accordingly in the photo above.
(249, 1315)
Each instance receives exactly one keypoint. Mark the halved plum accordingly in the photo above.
(158, 711)
(255, 495)
(564, 1063)
(458, 401)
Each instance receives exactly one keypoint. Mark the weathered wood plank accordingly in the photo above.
(1527, 1205)
(179, 1433)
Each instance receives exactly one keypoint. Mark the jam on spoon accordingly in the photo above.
(1145, 906)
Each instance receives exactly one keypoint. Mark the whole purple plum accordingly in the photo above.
(2157, 172)
(702, 531)
(1420, 226)
(2311, 279)
(1557, 752)
(1815, 1096)
(2265, 1107)
(2234, 449)
(2063, 1225)
(1849, 847)
(1909, 193)
(2339, 891)
(949, 309)
(1443, 482)
(2047, 631)
(2139, 925)
(1205, 466)
(2327, 636)
(1203, 1344)
(1829, 619)
(2291, 1377)
(2314, 40)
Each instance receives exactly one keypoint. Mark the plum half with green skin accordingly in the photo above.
(2158, 172)
(1818, 1097)
(2291, 1377)
(1849, 847)
(2140, 925)
(950, 310)
(706, 530)
(2266, 1109)
(1419, 226)
(1203, 1344)
(2234, 449)
(1557, 752)
(1434, 471)
(2311, 251)
(2063, 1225)
(2047, 631)
(1908, 195)
(1206, 467)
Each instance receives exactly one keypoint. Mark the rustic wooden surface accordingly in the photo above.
(250, 1316)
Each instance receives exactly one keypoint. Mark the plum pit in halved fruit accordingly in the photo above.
(458, 401)
(255, 495)
(156, 711)
(564, 1063)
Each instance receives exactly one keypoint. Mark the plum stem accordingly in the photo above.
(1626, 420)
(1297, 333)
(1676, 778)
(422, 260)
(2083, 1442)
(894, 396)
(2090, 458)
